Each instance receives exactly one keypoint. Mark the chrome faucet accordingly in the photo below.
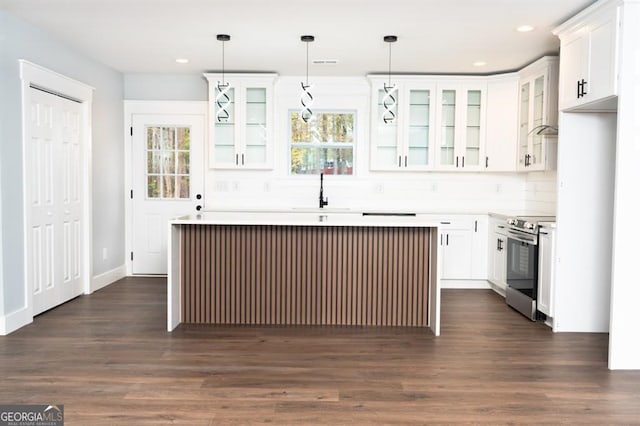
(323, 201)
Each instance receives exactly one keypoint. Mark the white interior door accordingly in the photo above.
(54, 186)
(167, 175)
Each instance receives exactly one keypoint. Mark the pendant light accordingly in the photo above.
(306, 99)
(222, 97)
(389, 101)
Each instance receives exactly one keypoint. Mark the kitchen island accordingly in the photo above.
(303, 268)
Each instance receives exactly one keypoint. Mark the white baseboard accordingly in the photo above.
(498, 289)
(109, 277)
(471, 284)
(15, 320)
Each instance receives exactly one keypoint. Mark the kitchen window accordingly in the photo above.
(325, 144)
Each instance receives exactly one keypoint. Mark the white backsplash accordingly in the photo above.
(541, 192)
(429, 191)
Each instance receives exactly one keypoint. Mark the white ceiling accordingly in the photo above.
(434, 36)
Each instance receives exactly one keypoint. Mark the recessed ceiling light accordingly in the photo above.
(524, 28)
(182, 61)
(479, 63)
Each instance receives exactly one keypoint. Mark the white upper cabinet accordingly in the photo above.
(241, 121)
(433, 124)
(589, 59)
(538, 109)
(460, 125)
(402, 124)
(502, 123)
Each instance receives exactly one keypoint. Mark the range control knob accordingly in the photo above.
(529, 225)
(511, 221)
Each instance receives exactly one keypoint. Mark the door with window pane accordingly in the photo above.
(167, 173)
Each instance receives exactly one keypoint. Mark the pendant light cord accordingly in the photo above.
(389, 64)
(223, 63)
(307, 63)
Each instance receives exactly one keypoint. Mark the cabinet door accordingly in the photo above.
(502, 125)
(479, 235)
(418, 152)
(456, 254)
(460, 127)
(500, 261)
(574, 56)
(255, 141)
(472, 153)
(537, 107)
(223, 113)
(602, 77)
(386, 152)
(447, 128)
(523, 129)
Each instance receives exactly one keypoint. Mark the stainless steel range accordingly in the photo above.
(522, 263)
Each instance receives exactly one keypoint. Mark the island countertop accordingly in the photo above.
(308, 218)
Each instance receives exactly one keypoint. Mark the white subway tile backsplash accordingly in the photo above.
(541, 192)
(453, 192)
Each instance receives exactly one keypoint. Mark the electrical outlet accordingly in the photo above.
(267, 187)
(434, 187)
(498, 188)
(221, 186)
(234, 186)
(104, 253)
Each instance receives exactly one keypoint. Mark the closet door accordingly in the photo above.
(54, 190)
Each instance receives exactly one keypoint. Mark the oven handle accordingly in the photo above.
(522, 237)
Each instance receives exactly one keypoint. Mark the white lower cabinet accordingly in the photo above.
(456, 254)
(463, 247)
(497, 250)
(546, 271)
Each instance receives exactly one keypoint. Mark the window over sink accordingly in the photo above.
(324, 144)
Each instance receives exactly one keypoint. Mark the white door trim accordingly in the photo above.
(150, 107)
(33, 75)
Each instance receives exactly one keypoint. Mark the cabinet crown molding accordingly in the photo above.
(581, 18)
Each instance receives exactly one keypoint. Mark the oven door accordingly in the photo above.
(522, 272)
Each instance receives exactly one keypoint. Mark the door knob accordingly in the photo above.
(198, 207)
(198, 196)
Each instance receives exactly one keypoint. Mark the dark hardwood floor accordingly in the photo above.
(109, 360)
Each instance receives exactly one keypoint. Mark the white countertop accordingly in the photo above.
(290, 218)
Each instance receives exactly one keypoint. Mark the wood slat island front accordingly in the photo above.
(303, 269)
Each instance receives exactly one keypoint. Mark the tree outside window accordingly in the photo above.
(324, 144)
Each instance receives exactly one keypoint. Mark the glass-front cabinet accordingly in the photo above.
(403, 124)
(460, 129)
(241, 120)
(538, 115)
(425, 123)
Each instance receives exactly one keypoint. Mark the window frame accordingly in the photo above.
(353, 145)
(162, 152)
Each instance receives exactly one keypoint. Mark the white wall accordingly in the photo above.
(624, 345)
(20, 40)
(165, 87)
(369, 190)
(1, 241)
